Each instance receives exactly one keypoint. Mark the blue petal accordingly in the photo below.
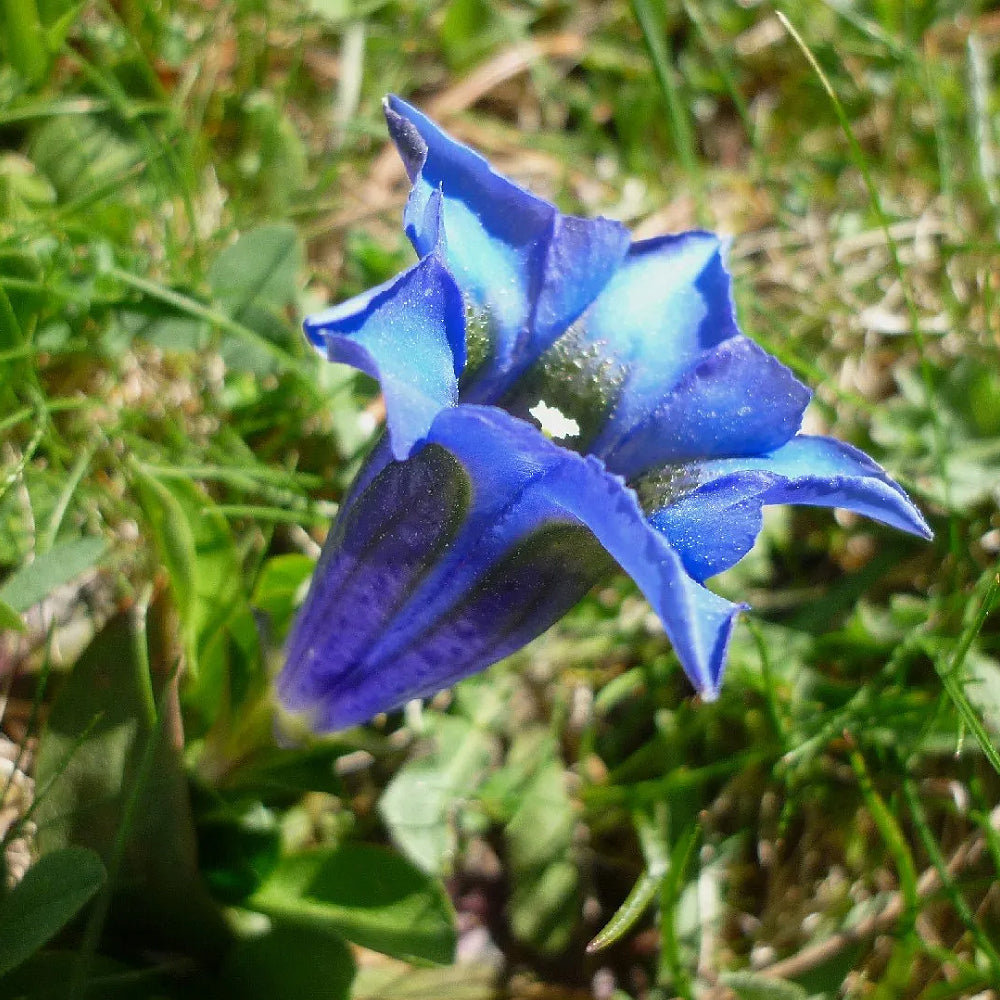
(409, 334)
(735, 400)
(669, 301)
(716, 524)
(389, 618)
(514, 255)
(381, 545)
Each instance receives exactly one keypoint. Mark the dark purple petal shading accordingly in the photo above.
(529, 547)
(374, 557)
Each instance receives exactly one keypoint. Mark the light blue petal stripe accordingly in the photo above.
(513, 254)
(409, 334)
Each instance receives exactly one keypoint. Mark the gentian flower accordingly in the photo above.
(469, 531)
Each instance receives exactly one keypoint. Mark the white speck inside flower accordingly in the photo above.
(554, 423)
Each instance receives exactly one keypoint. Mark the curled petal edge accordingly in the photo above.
(716, 524)
(409, 335)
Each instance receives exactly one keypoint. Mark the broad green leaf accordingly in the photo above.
(262, 267)
(419, 802)
(163, 326)
(52, 892)
(544, 905)
(370, 895)
(281, 775)
(238, 849)
(337, 11)
(754, 986)
(34, 582)
(46, 974)
(542, 827)
(982, 686)
(468, 30)
(271, 156)
(281, 580)
(391, 980)
(80, 154)
(290, 962)
(109, 768)
(255, 280)
(333, 11)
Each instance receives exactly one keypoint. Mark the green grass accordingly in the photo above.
(179, 184)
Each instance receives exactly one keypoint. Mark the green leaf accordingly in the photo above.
(80, 155)
(24, 39)
(196, 546)
(419, 802)
(982, 687)
(46, 974)
(163, 326)
(238, 849)
(281, 775)
(371, 896)
(11, 333)
(51, 893)
(95, 772)
(388, 980)
(10, 619)
(262, 267)
(754, 986)
(280, 581)
(34, 582)
(333, 11)
(625, 917)
(254, 281)
(175, 543)
(290, 963)
(544, 905)
(468, 30)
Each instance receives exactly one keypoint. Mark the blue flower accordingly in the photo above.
(469, 531)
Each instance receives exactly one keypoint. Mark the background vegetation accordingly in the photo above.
(179, 183)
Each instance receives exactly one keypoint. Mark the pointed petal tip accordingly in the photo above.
(710, 683)
(405, 133)
(917, 522)
(921, 528)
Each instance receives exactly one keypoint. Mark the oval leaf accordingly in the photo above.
(51, 893)
(371, 896)
(34, 582)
